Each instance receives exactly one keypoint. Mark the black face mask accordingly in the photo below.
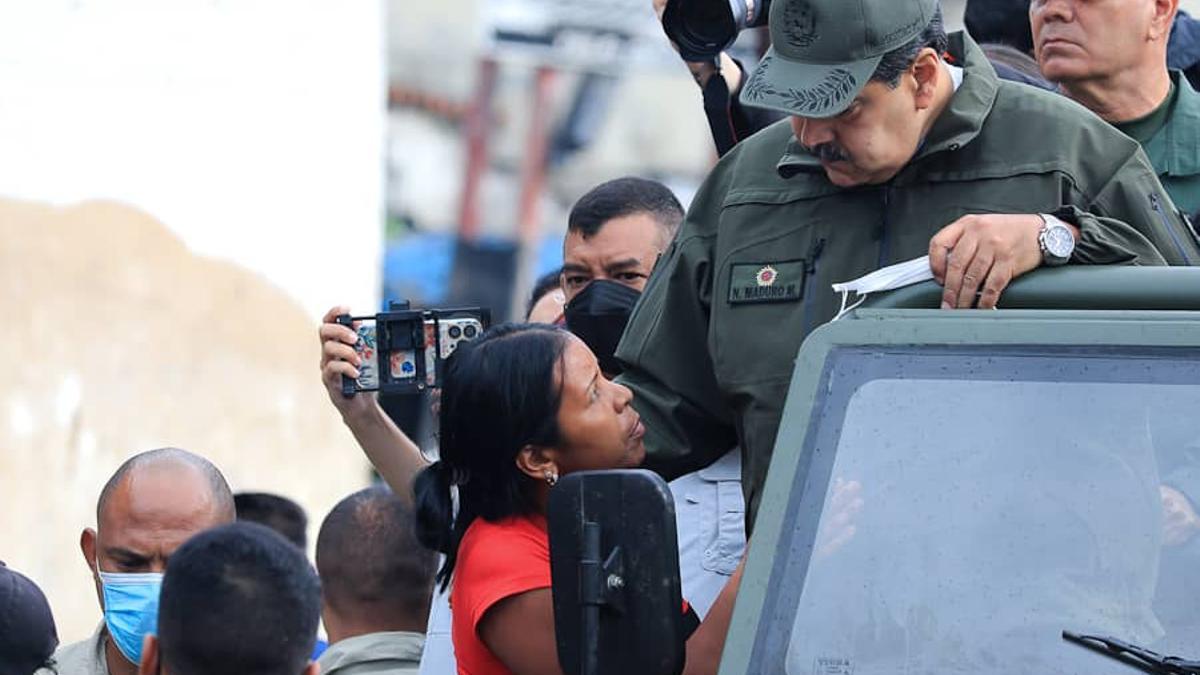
(598, 316)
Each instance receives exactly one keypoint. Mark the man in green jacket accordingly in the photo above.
(1112, 58)
(902, 142)
(376, 586)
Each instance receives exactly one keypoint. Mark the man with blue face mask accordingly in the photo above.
(152, 504)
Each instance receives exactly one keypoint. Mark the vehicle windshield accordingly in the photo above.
(977, 505)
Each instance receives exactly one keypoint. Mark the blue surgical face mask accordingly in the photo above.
(130, 609)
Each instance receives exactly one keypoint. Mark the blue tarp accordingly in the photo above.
(417, 266)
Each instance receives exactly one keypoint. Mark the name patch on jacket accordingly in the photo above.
(766, 282)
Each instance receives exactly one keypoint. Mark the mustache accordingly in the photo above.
(830, 152)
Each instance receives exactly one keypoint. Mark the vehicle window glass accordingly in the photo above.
(978, 505)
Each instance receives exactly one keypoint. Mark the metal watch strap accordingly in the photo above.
(1048, 258)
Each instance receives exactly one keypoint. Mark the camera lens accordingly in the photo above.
(455, 332)
(470, 332)
(702, 29)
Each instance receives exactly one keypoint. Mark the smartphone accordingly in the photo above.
(402, 363)
(368, 353)
(414, 345)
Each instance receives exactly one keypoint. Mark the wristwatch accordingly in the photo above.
(1056, 241)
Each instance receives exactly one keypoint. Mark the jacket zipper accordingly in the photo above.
(1156, 204)
(810, 270)
(883, 237)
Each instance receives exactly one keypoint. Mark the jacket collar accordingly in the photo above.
(959, 123)
(963, 119)
(1182, 131)
(796, 159)
(386, 646)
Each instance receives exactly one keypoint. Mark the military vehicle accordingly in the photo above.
(1009, 491)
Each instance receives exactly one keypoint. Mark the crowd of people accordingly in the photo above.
(665, 341)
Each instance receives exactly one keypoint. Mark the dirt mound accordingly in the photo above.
(117, 339)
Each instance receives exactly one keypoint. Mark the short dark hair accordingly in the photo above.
(624, 197)
(371, 565)
(548, 282)
(276, 512)
(895, 62)
(221, 494)
(500, 393)
(1000, 21)
(238, 598)
(28, 636)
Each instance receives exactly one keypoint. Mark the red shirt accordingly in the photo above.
(495, 561)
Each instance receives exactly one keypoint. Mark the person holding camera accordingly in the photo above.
(901, 141)
(703, 44)
(522, 407)
(615, 234)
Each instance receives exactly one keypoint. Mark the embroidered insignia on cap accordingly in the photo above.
(766, 276)
(799, 23)
(835, 88)
(757, 87)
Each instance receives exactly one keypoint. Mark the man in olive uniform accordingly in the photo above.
(902, 142)
(1111, 57)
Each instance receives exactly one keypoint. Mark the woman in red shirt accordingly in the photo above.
(520, 407)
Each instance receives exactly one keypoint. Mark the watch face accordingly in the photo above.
(1059, 242)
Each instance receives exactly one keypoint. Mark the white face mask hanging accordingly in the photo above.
(886, 279)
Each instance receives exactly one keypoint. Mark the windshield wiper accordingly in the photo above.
(1133, 655)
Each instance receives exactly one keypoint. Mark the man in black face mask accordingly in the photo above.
(615, 234)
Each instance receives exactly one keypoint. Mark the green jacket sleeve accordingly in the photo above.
(668, 365)
(1131, 220)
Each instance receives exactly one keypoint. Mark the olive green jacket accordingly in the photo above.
(1175, 149)
(711, 345)
(384, 653)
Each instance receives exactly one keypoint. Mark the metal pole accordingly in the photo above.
(478, 122)
(533, 178)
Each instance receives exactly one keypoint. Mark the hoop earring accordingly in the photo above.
(551, 477)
